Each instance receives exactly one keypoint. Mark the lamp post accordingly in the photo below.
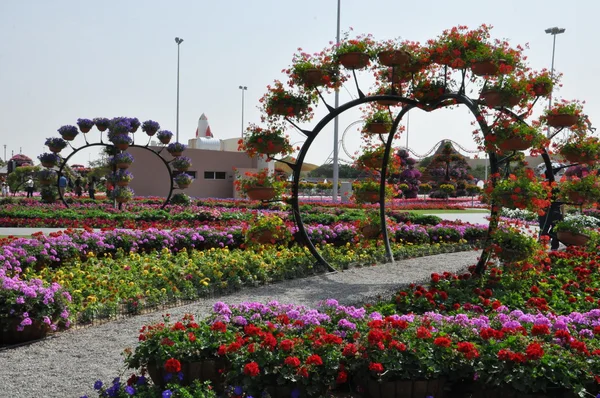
(4, 153)
(243, 88)
(178, 41)
(553, 31)
(336, 170)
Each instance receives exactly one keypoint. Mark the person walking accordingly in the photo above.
(29, 187)
(78, 187)
(62, 185)
(92, 188)
(4, 189)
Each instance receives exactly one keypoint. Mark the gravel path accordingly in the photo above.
(68, 364)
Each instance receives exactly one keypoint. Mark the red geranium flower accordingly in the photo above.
(314, 359)
(376, 367)
(292, 361)
(251, 369)
(173, 365)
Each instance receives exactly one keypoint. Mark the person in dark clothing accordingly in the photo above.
(78, 187)
(92, 188)
(547, 222)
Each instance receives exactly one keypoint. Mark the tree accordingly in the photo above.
(16, 179)
(326, 171)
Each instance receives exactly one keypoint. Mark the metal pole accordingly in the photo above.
(243, 88)
(178, 41)
(4, 153)
(553, 31)
(407, 125)
(336, 170)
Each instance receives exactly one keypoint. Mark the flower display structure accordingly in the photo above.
(102, 123)
(68, 132)
(164, 136)
(85, 125)
(49, 158)
(56, 143)
(278, 102)
(522, 191)
(316, 70)
(572, 109)
(183, 180)
(580, 189)
(176, 148)
(150, 127)
(182, 163)
(580, 148)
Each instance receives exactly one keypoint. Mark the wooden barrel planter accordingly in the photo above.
(354, 60)
(37, 330)
(405, 388)
(571, 239)
(561, 120)
(370, 231)
(260, 193)
(514, 144)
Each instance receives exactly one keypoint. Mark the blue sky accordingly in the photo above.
(65, 59)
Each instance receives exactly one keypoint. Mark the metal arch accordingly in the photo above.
(458, 98)
(344, 136)
(101, 143)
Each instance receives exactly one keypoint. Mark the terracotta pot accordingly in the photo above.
(561, 120)
(286, 108)
(414, 66)
(150, 133)
(315, 77)
(571, 239)
(85, 129)
(541, 89)
(428, 95)
(101, 128)
(496, 99)
(182, 168)
(48, 165)
(393, 57)
(354, 60)
(133, 130)
(405, 388)
(183, 186)
(370, 231)
(484, 68)
(388, 102)
(378, 128)
(207, 370)
(122, 183)
(260, 193)
(123, 146)
(367, 196)
(514, 144)
(54, 149)
(176, 154)
(122, 200)
(165, 140)
(122, 166)
(37, 330)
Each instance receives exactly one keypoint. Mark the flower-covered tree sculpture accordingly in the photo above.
(120, 132)
(460, 67)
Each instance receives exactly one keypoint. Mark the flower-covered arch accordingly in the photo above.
(120, 132)
(410, 75)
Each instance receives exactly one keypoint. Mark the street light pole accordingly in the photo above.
(4, 153)
(336, 170)
(178, 41)
(243, 88)
(553, 31)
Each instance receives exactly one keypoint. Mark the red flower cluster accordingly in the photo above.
(252, 369)
(173, 365)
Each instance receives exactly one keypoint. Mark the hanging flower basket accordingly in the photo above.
(122, 183)
(393, 58)
(513, 255)
(48, 165)
(574, 157)
(268, 148)
(260, 193)
(122, 146)
(485, 68)
(54, 149)
(515, 144)
(378, 128)
(374, 162)
(120, 199)
(123, 165)
(576, 197)
(354, 60)
(405, 388)
(176, 154)
(542, 89)
(571, 239)
(286, 107)
(263, 237)
(561, 120)
(497, 99)
(315, 77)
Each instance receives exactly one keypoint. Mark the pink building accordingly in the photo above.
(213, 166)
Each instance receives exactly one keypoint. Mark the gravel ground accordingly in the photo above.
(68, 364)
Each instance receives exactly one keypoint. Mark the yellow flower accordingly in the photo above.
(91, 298)
(90, 254)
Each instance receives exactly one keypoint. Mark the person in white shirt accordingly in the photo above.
(29, 187)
